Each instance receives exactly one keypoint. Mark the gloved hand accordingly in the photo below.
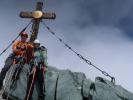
(44, 69)
(23, 48)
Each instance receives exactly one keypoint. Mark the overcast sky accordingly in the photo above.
(100, 30)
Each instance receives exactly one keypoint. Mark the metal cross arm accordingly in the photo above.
(37, 16)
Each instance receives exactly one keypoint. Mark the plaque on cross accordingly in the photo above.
(37, 16)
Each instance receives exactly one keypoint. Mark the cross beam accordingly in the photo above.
(37, 16)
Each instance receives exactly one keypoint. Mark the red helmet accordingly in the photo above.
(24, 34)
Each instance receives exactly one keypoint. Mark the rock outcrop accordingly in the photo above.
(65, 85)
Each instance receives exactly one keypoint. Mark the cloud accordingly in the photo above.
(85, 13)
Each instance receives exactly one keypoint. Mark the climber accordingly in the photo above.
(21, 49)
(38, 68)
(18, 48)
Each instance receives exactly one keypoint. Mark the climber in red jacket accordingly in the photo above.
(19, 47)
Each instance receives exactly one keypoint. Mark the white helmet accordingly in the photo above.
(37, 41)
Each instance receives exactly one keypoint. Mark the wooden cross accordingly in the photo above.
(37, 16)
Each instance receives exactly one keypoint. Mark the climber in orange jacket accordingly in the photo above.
(19, 47)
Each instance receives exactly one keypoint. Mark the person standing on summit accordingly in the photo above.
(38, 68)
(19, 47)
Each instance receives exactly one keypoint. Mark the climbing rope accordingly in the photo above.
(33, 72)
(15, 39)
(32, 83)
(79, 55)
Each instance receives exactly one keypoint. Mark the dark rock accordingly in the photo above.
(65, 85)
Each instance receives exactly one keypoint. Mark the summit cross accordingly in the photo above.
(37, 16)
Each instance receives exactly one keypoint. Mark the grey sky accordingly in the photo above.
(101, 30)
